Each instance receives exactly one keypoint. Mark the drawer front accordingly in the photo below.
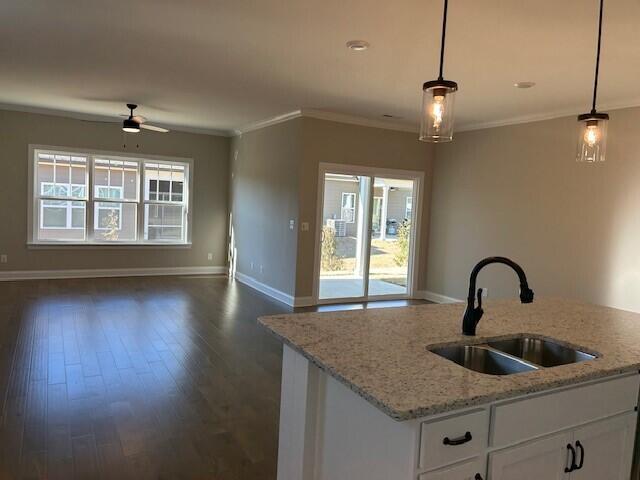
(453, 439)
(469, 470)
(547, 413)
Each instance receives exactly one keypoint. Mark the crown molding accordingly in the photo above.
(519, 120)
(325, 115)
(250, 127)
(357, 120)
(89, 117)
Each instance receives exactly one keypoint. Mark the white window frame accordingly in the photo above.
(343, 208)
(91, 200)
(408, 207)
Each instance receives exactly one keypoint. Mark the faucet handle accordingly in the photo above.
(526, 295)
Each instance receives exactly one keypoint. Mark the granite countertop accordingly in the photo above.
(381, 354)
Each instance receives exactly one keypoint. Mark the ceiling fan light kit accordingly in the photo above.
(129, 125)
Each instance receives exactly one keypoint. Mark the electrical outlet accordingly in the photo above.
(3, 258)
(251, 265)
(261, 269)
(210, 256)
(485, 292)
(292, 224)
(305, 226)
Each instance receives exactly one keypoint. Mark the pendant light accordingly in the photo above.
(438, 97)
(592, 139)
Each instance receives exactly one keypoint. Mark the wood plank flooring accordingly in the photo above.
(137, 378)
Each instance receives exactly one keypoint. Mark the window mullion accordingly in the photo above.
(142, 181)
(90, 200)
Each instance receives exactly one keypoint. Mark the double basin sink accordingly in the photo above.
(515, 355)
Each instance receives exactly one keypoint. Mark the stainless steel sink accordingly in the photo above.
(484, 360)
(545, 353)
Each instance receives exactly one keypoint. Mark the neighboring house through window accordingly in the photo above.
(408, 208)
(131, 199)
(348, 212)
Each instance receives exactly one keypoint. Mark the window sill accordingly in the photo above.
(105, 246)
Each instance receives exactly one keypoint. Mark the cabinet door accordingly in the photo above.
(608, 448)
(462, 471)
(545, 459)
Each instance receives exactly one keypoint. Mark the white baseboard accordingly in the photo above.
(6, 276)
(436, 297)
(266, 289)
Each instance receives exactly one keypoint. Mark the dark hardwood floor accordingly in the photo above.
(138, 378)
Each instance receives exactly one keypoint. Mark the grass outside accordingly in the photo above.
(382, 266)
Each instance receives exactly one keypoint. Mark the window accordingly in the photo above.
(348, 213)
(128, 200)
(408, 208)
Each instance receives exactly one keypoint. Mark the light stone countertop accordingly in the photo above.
(381, 354)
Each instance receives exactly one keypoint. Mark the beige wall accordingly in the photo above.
(211, 160)
(264, 198)
(517, 191)
(332, 142)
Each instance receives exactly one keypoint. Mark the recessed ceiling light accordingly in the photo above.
(357, 45)
(524, 84)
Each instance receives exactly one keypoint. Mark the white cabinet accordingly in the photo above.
(601, 450)
(469, 470)
(541, 459)
(605, 449)
(450, 440)
(327, 432)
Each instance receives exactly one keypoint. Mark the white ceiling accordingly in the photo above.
(220, 65)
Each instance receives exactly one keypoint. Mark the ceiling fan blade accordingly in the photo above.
(153, 128)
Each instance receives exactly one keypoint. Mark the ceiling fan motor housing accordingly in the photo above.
(130, 125)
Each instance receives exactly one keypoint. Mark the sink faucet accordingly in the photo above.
(472, 314)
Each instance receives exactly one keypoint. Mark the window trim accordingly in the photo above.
(32, 223)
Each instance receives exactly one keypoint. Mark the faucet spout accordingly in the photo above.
(473, 314)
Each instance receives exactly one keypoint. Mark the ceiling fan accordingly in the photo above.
(133, 123)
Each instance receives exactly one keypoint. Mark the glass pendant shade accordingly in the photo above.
(438, 101)
(592, 137)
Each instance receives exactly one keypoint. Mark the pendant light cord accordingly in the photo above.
(595, 83)
(444, 34)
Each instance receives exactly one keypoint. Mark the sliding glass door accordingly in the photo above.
(366, 237)
(391, 242)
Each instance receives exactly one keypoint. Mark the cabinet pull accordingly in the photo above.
(581, 448)
(457, 441)
(572, 464)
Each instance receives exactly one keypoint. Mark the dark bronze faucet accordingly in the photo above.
(473, 314)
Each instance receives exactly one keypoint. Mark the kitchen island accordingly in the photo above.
(364, 397)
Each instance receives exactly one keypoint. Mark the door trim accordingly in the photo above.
(414, 251)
